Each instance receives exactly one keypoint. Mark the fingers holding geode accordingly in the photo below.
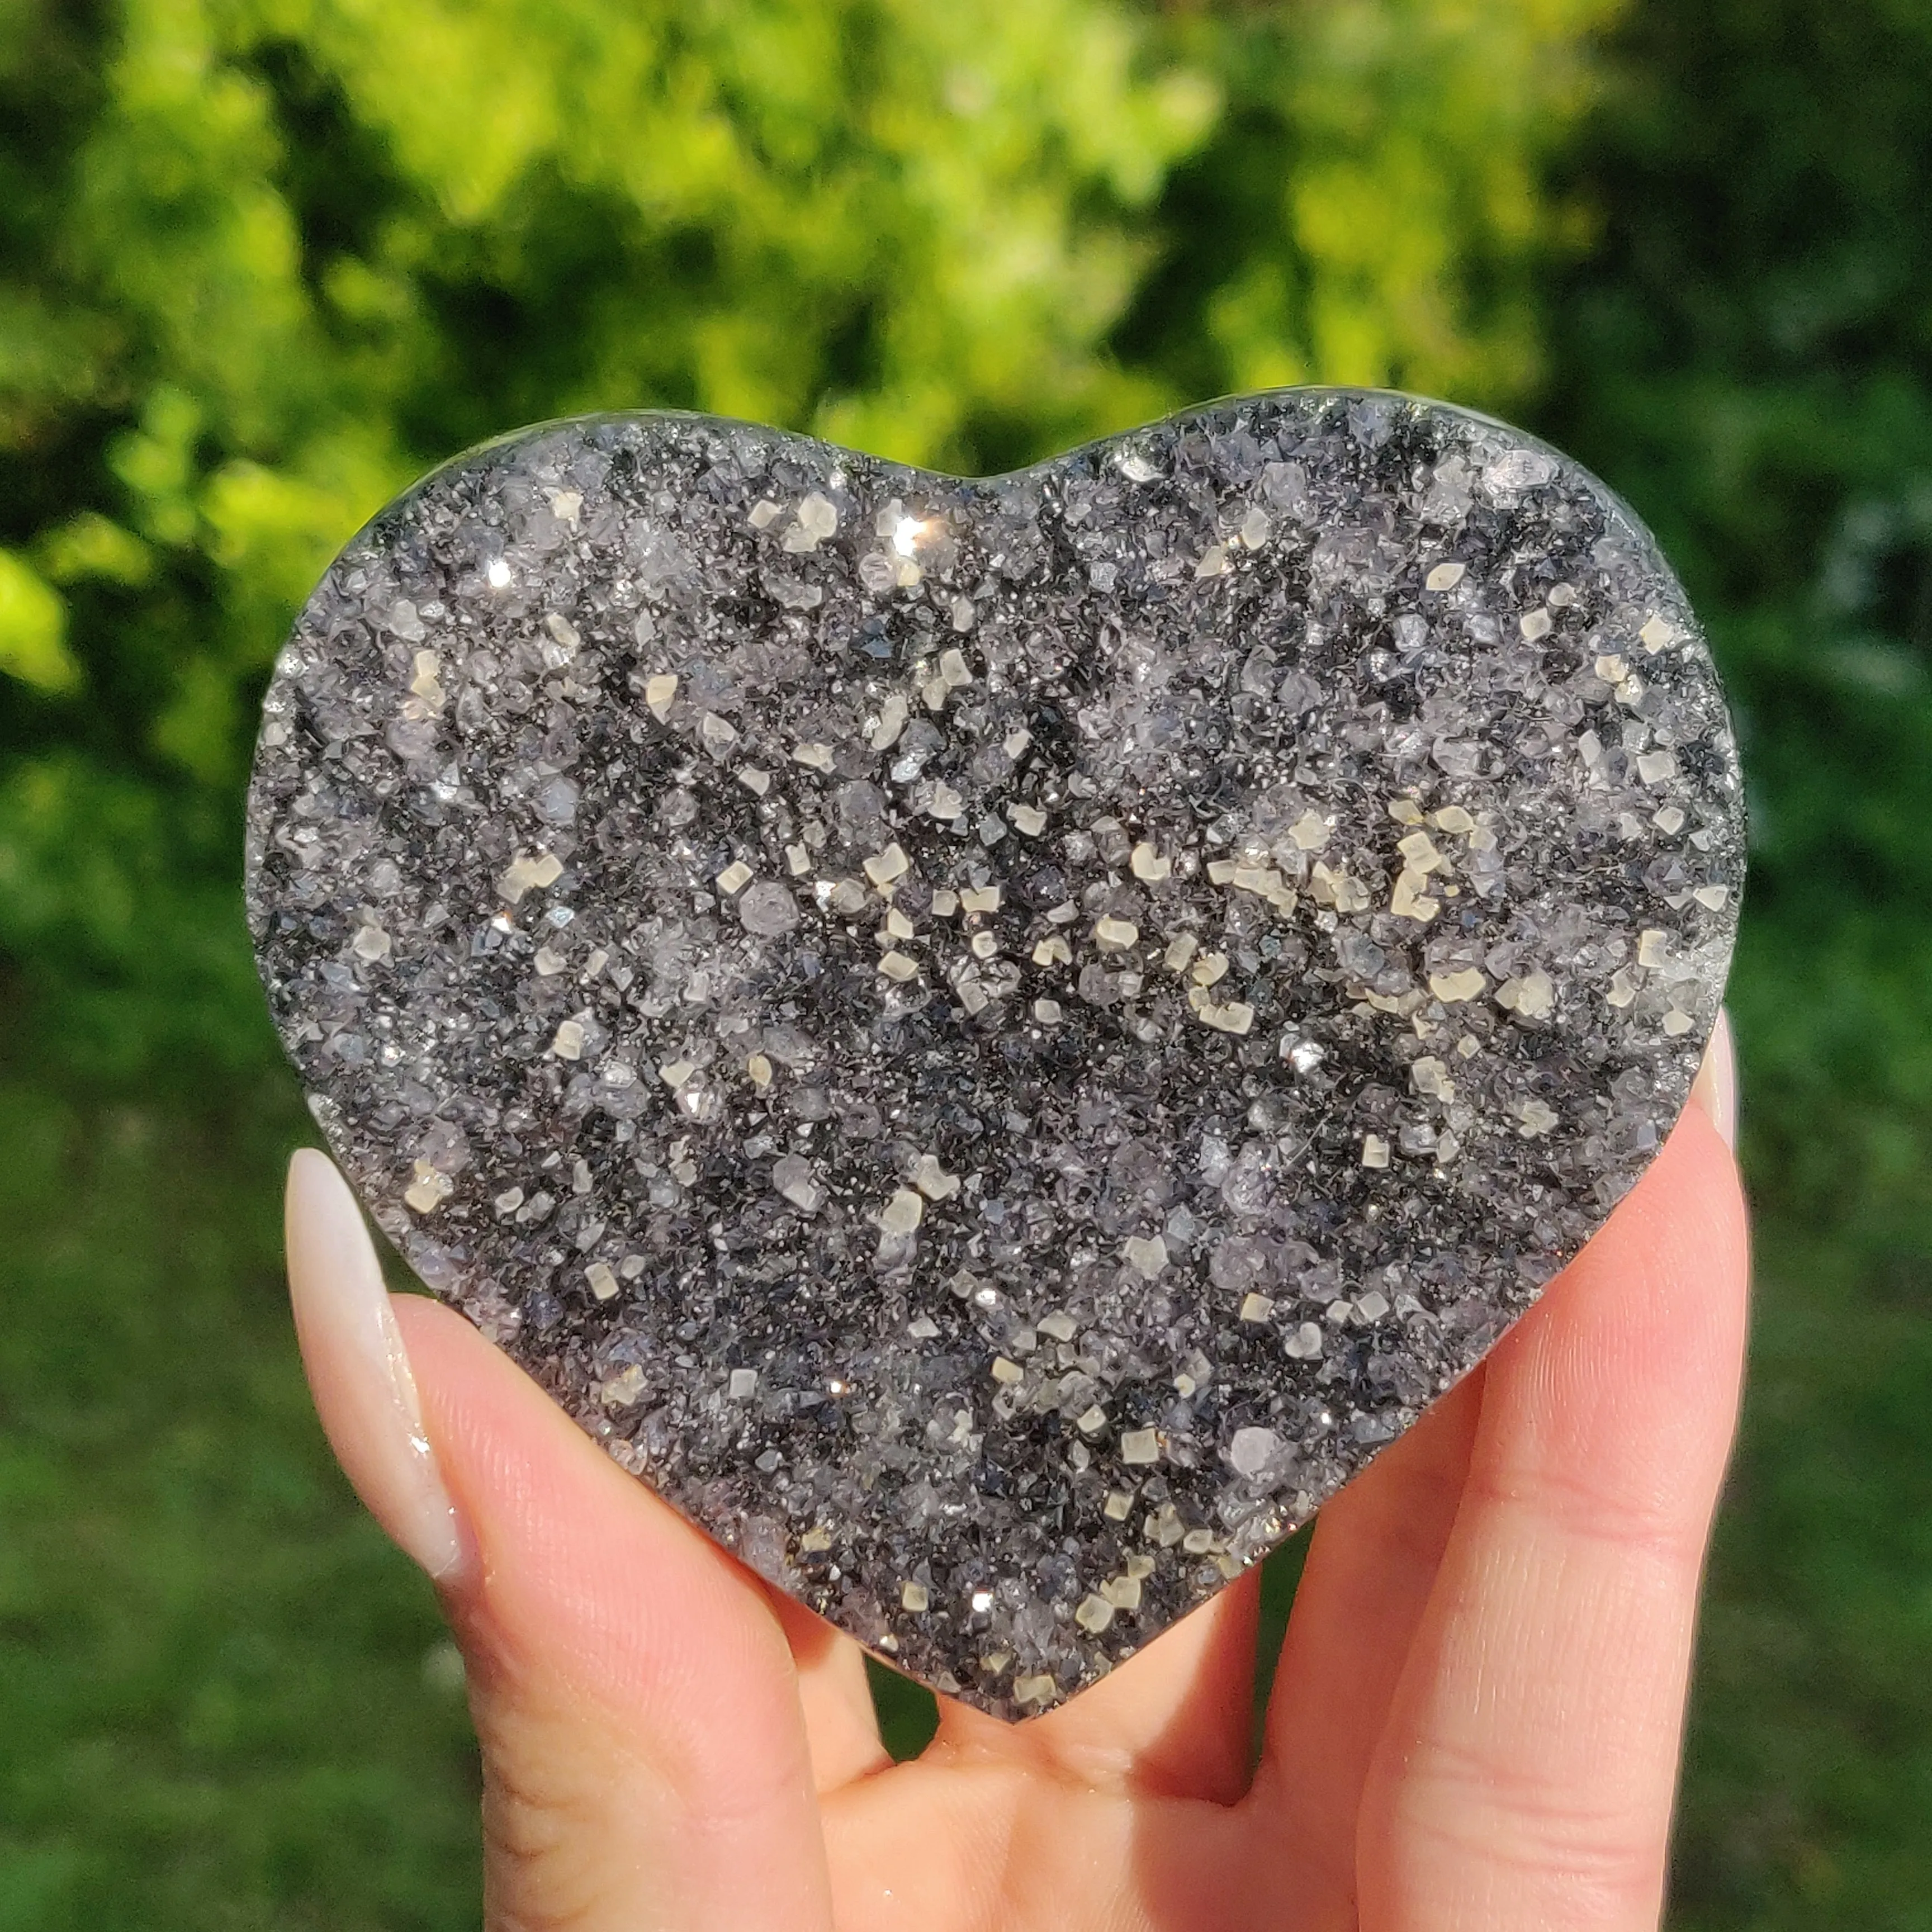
(839, 1719)
(1526, 1774)
(638, 1710)
(1370, 1574)
(644, 1749)
(1175, 1720)
(1370, 1570)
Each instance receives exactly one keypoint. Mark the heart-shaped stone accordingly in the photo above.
(995, 1041)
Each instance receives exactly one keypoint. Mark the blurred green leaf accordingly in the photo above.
(33, 628)
(90, 545)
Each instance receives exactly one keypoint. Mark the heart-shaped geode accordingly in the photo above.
(995, 1041)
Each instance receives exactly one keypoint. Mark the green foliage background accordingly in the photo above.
(263, 261)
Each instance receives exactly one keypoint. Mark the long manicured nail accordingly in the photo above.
(358, 1370)
(1715, 1089)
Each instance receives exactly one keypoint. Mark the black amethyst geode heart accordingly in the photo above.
(995, 1041)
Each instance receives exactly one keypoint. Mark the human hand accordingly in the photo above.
(1474, 1727)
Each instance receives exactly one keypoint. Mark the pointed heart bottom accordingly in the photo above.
(995, 1041)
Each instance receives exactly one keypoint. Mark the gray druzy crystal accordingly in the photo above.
(995, 1041)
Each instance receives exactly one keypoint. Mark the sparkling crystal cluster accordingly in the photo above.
(994, 1041)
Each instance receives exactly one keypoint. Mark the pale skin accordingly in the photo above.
(1475, 1727)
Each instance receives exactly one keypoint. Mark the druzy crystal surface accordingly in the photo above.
(995, 1041)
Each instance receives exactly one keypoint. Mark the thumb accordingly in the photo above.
(645, 1760)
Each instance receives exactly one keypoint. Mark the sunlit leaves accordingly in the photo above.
(33, 628)
(289, 253)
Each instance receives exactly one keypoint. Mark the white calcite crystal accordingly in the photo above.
(994, 1041)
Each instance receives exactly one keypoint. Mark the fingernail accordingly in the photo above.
(358, 1370)
(1715, 1088)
